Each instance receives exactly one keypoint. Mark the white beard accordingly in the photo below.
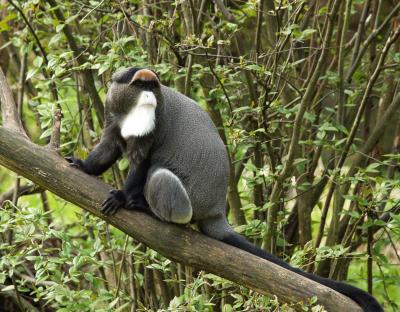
(141, 119)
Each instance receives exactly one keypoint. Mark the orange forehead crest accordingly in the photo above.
(145, 75)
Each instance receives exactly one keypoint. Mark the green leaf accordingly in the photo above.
(103, 68)
(372, 168)
(254, 67)
(46, 133)
(59, 27)
(8, 288)
(307, 33)
(38, 61)
(123, 164)
(113, 303)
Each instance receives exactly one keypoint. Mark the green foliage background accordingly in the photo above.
(254, 66)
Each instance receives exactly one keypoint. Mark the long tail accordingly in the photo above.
(362, 298)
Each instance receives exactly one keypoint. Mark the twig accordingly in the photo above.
(121, 264)
(17, 295)
(55, 134)
(369, 259)
(188, 75)
(220, 83)
(132, 282)
(367, 42)
(26, 189)
(42, 50)
(53, 88)
(86, 73)
(14, 208)
(21, 85)
(360, 30)
(9, 110)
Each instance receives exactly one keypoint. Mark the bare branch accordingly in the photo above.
(9, 109)
(55, 134)
(42, 50)
(372, 35)
(353, 131)
(269, 240)
(86, 73)
(26, 189)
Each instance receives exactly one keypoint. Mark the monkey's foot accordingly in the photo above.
(115, 201)
(74, 162)
(137, 202)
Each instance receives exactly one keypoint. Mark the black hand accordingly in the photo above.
(115, 201)
(137, 202)
(75, 162)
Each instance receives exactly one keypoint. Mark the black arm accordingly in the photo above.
(103, 156)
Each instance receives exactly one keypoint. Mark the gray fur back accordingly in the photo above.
(188, 144)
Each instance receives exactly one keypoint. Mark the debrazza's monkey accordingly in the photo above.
(176, 154)
(133, 101)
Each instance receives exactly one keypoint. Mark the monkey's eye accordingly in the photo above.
(139, 83)
(146, 85)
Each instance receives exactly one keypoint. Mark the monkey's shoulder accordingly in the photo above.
(180, 102)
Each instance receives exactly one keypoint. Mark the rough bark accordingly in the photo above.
(8, 107)
(49, 170)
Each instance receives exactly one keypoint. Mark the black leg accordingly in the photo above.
(131, 197)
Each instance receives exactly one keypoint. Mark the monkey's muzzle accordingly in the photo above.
(147, 98)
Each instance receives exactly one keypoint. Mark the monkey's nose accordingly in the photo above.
(147, 98)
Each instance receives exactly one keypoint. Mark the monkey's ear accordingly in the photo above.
(145, 75)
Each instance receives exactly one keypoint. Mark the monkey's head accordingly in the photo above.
(133, 87)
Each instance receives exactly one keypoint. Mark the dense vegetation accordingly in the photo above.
(305, 95)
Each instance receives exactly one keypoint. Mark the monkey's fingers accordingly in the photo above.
(110, 207)
(137, 203)
(108, 201)
(74, 162)
(115, 201)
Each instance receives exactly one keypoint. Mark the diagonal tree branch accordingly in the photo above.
(50, 171)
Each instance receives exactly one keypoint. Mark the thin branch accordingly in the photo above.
(225, 12)
(258, 28)
(21, 85)
(42, 50)
(26, 305)
(9, 109)
(353, 131)
(220, 83)
(269, 238)
(368, 41)
(55, 134)
(26, 189)
(86, 73)
(360, 30)
(53, 88)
